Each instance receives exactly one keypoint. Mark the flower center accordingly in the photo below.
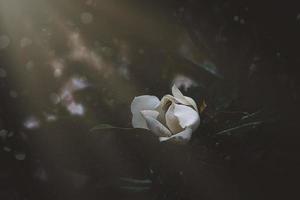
(166, 106)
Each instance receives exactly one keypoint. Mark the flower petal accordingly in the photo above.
(156, 127)
(166, 101)
(178, 95)
(164, 105)
(183, 99)
(186, 116)
(172, 121)
(191, 102)
(150, 113)
(144, 102)
(183, 137)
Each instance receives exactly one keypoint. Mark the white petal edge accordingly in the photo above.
(178, 95)
(140, 103)
(150, 113)
(183, 99)
(192, 102)
(186, 116)
(164, 101)
(156, 127)
(172, 121)
(181, 138)
(162, 108)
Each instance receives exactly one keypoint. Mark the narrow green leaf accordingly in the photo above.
(240, 127)
(135, 188)
(108, 126)
(136, 181)
(102, 126)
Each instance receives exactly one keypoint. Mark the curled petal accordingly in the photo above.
(179, 96)
(183, 137)
(183, 99)
(140, 103)
(150, 113)
(144, 102)
(191, 102)
(176, 93)
(172, 121)
(166, 101)
(186, 116)
(156, 127)
(164, 105)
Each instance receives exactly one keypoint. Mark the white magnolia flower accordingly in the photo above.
(171, 118)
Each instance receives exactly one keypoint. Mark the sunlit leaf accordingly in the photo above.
(203, 106)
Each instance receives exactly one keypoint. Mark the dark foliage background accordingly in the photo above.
(245, 58)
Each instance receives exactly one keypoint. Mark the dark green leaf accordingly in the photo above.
(108, 126)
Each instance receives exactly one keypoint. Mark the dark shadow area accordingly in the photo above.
(67, 66)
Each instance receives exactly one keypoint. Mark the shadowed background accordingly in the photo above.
(67, 66)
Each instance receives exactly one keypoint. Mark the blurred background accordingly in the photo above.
(67, 66)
